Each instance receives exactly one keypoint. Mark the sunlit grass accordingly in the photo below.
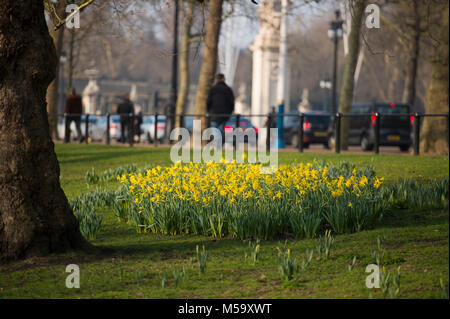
(133, 264)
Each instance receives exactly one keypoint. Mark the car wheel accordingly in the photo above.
(331, 141)
(294, 140)
(305, 145)
(365, 144)
(404, 148)
(149, 139)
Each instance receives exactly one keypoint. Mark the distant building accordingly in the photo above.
(104, 94)
(265, 50)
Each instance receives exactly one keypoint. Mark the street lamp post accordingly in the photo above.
(335, 32)
(170, 114)
(325, 84)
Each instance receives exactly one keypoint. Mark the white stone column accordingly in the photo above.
(282, 68)
(266, 62)
(256, 85)
(91, 93)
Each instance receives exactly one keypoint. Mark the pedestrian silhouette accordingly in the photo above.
(124, 109)
(220, 103)
(73, 110)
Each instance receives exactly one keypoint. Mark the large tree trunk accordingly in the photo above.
(434, 137)
(35, 217)
(351, 60)
(184, 63)
(53, 88)
(209, 63)
(409, 92)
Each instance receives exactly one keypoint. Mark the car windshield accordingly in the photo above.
(392, 109)
(92, 119)
(148, 120)
(115, 119)
(243, 122)
(290, 119)
(318, 119)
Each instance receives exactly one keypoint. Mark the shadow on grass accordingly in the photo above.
(71, 257)
(100, 156)
(406, 218)
(171, 246)
(128, 242)
(158, 247)
(124, 241)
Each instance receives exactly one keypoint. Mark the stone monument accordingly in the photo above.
(91, 93)
(304, 105)
(265, 50)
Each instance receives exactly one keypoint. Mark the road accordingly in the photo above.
(314, 148)
(317, 148)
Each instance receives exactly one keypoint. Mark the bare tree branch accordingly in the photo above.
(81, 7)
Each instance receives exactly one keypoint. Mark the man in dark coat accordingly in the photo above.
(125, 108)
(220, 101)
(137, 123)
(73, 110)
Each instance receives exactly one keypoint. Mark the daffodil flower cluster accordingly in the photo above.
(202, 183)
(220, 199)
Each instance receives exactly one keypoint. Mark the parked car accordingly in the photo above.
(315, 128)
(93, 122)
(228, 127)
(99, 131)
(244, 123)
(394, 130)
(148, 127)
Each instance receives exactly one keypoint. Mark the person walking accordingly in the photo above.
(138, 122)
(73, 110)
(124, 109)
(220, 101)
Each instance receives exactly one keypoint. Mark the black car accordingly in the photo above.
(315, 128)
(394, 130)
(244, 123)
(229, 126)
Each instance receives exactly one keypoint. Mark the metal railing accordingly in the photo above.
(416, 118)
(335, 130)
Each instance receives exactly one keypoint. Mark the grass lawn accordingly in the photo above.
(132, 264)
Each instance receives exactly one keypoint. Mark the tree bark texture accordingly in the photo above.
(35, 216)
(184, 62)
(412, 62)
(53, 88)
(351, 60)
(434, 135)
(209, 63)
